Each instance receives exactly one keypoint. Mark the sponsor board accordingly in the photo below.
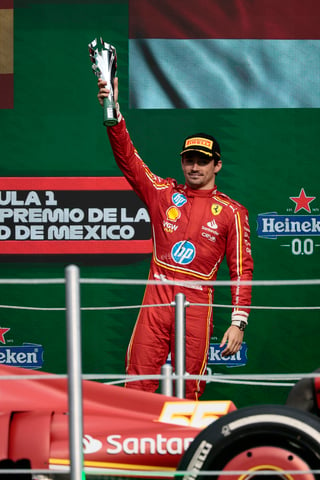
(27, 355)
(239, 359)
(72, 215)
(297, 229)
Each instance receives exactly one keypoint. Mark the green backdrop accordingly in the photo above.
(55, 129)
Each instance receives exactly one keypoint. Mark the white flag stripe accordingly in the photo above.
(224, 73)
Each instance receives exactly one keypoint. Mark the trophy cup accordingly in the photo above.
(104, 66)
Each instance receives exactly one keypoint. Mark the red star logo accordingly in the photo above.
(2, 332)
(302, 201)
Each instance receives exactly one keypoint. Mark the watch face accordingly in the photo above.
(242, 326)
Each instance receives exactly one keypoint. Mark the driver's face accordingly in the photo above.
(199, 170)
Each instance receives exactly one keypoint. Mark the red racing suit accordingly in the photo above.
(192, 231)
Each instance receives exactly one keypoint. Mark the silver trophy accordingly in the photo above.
(104, 60)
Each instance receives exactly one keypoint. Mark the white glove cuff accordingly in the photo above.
(239, 316)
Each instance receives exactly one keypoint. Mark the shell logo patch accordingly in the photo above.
(173, 214)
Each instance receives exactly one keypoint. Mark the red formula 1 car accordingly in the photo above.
(137, 431)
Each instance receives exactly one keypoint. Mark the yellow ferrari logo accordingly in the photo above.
(216, 209)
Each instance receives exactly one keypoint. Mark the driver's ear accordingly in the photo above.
(218, 166)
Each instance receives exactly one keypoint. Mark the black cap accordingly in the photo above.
(202, 143)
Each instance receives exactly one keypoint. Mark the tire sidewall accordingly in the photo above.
(240, 429)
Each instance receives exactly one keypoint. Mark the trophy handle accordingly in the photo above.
(109, 113)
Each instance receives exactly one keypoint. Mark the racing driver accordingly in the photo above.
(193, 227)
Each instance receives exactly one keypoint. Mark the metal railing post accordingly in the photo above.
(166, 382)
(74, 372)
(180, 344)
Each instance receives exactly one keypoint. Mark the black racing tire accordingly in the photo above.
(303, 395)
(264, 437)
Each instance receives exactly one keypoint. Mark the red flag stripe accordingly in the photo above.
(6, 4)
(64, 183)
(76, 247)
(6, 55)
(6, 90)
(261, 19)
